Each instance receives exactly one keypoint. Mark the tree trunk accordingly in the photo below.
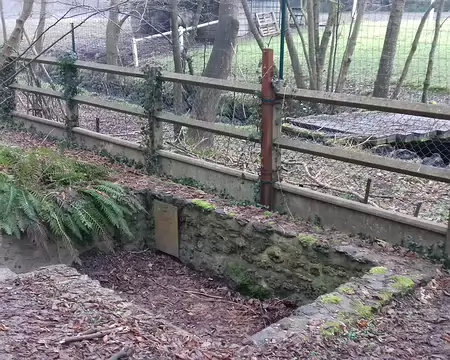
(351, 44)
(112, 36)
(437, 30)
(331, 21)
(383, 79)
(176, 48)
(302, 38)
(39, 43)
(2, 15)
(251, 24)
(414, 45)
(12, 45)
(195, 21)
(295, 62)
(293, 55)
(311, 43)
(218, 66)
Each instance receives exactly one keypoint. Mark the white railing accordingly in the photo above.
(181, 31)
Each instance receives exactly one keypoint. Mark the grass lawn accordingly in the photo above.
(246, 66)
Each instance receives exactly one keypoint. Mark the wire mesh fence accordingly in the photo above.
(418, 140)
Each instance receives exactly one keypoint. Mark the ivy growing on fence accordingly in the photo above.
(151, 131)
(69, 79)
(7, 97)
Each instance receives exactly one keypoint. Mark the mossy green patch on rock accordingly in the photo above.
(332, 328)
(268, 214)
(364, 311)
(403, 283)
(331, 299)
(348, 290)
(231, 214)
(205, 205)
(378, 270)
(385, 297)
(306, 240)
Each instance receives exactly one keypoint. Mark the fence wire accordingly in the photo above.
(423, 141)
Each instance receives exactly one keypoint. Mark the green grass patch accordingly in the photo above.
(331, 299)
(364, 66)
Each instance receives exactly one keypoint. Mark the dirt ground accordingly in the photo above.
(414, 327)
(184, 297)
(163, 310)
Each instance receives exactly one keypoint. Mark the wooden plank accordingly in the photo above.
(109, 105)
(202, 81)
(334, 153)
(368, 160)
(37, 90)
(218, 129)
(166, 228)
(436, 111)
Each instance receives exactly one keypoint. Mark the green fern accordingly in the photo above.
(52, 197)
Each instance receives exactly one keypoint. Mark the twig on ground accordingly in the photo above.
(123, 354)
(199, 293)
(92, 336)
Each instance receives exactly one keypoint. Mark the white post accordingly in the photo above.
(354, 7)
(181, 35)
(431, 16)
(135, 52)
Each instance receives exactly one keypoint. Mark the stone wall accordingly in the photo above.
(255, 256)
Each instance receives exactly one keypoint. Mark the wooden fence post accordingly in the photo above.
(267, 129)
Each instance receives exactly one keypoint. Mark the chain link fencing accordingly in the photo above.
(422, 141)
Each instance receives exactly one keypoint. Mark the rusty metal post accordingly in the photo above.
(267, 123)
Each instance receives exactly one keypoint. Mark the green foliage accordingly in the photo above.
(332, 328)
(403, 284)
(378, 270)
(151, 101)
(331, 299)
(52, 197)
(306, 240)
(364, 311)
(7, 98)
(68, 76)
(204, 205)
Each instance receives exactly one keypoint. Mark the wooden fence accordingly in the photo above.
(271, 140)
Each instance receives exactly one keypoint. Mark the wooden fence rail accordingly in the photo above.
(435, 111)
(275, 141)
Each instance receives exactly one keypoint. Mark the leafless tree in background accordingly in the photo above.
(386, 64)
(219, 67)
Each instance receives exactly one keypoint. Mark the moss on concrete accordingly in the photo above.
(205, 205)
(378, 270)
(386, 297)
(364, 311)
(403, 284)
(332, 328)
(306, 240)
(348, 290)
(331, 299)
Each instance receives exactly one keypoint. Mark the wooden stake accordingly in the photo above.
(366, 195)
(97, 124)
(417, 210)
